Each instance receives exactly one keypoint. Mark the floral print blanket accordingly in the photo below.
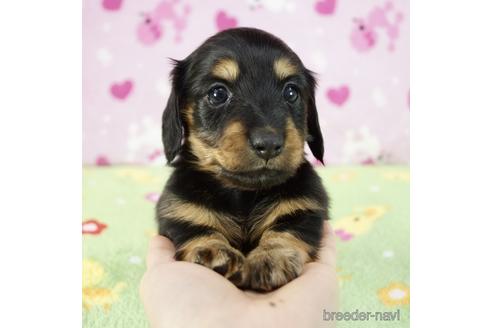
(370, 215)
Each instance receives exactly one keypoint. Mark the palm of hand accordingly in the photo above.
(182, 294)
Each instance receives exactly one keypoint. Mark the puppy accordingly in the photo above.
(242, 199)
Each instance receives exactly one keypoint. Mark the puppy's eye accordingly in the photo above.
(291, 93)
(217, 95)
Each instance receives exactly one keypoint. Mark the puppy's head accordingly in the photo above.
(241, 107)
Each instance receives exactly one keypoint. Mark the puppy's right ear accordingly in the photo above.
(172, 125)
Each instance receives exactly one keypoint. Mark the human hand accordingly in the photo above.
(183, 294)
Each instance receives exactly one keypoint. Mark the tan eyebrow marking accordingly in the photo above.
(226, 69)
(283, 68)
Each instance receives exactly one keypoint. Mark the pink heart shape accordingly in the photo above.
(338, 96)
(112, 4)
(121, 90)
(102, 161)
(325, 7)
(224, 21)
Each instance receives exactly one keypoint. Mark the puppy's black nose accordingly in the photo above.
(266, 143)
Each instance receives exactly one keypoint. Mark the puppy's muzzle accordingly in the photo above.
(267, 144)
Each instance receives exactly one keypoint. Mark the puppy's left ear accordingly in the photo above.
(172, 125)
(315, 138)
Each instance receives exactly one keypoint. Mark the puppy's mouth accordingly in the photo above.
(262, 178)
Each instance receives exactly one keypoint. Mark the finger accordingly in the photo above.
(327, 254)
(161, 250)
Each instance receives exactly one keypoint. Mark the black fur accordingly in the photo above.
(189, 80)
(172, 123)
(256, 102)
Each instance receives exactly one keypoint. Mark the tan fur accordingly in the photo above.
(226, 69)
(284, 241)
(198, 147)
(207, 241)
(288, 253)
(283, 207)
(232, 151)
(176, 208)
(233, 147)
(215, 252)
(229, 152)
(294, 145)
(188, 112)
(284, 68)
(204, 153)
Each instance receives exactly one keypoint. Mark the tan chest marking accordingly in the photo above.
(267, 217)
(176, 208)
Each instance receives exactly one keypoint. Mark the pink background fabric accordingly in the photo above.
(359, 50)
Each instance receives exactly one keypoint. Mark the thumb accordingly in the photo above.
(161, 250)
(327, 254)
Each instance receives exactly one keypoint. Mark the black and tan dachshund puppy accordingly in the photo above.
(242, 199)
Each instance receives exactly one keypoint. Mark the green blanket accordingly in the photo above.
(370, 212)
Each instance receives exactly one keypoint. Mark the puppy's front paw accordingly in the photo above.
(272, 268)
(219, 257)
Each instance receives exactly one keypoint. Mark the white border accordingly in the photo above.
(451, 163)
(40, 174)
(40, 140)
